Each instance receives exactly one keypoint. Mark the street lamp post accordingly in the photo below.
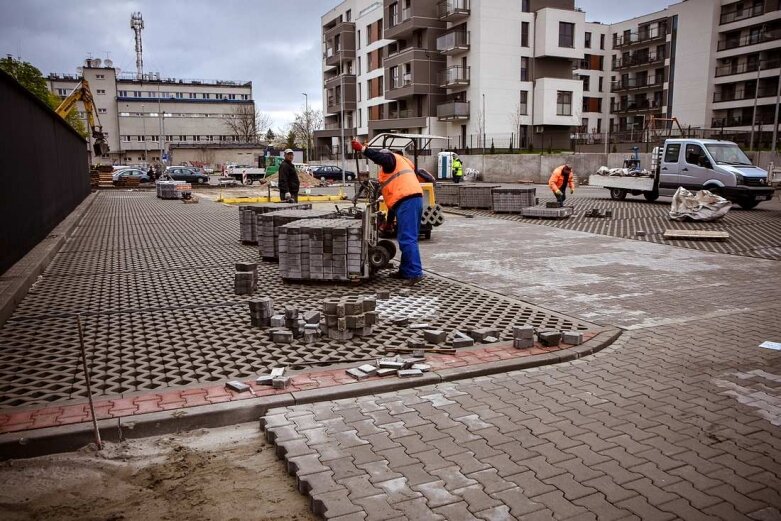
(341, 117)
(775, 119)
(306, 122)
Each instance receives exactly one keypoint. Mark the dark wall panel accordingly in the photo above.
(44, 171)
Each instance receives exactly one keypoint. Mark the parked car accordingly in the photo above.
(331, 173)
(125, 173)
(186, 173)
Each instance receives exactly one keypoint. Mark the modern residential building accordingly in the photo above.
(143, 116)
(534, 73)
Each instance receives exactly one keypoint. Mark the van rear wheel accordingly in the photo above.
(651, 196)
(618, 194)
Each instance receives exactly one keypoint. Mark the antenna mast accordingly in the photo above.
(137, 24)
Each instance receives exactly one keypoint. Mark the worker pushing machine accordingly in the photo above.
(458, 169)
(403, 196)
(559, 179)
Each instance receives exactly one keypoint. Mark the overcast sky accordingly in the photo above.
(273, 43)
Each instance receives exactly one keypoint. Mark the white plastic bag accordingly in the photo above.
(702, 206)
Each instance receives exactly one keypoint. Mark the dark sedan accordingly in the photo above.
(181, 173)
(331, 173)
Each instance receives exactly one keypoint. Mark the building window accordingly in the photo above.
(602, 41)
(136, 93)
(563, 103)
(586, 82)
(218, 96)
(588, 40)
(245, 96)
(349, 15)
(196, 138)
(231, 96)
(100, 77)
(62, 92)
(566, 34)
(169, 138)
(360, 117)
(525, 6)
(140, 138)
(523, 108)
(179, 95)
(206, 95)
(101, 111)
(154, 139)
(182, 138)
(599, 125)
(524, 34)
(599, 81)
(126, 139)
(101, 91)
(209, 138)
(358, 39)
(524, 68)
(193, 95)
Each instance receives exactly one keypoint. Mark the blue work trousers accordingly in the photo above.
(408, 214)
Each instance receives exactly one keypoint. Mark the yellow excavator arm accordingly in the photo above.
(83, 93)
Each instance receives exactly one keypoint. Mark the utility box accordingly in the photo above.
(445, 165)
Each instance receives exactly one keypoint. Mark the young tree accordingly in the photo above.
(270, 136)
(32, 79)
(290, 139)
(304, 126)
(248, 123)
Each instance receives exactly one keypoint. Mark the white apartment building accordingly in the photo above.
(536, 71)
(143, 118)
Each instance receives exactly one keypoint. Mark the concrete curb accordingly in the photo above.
(39, 442)
(15, 282)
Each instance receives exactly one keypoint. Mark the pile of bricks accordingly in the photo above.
(248, 219)
(476, 196)
(402, 367)
(523, 337)
(320, 249)
(448, 194)
(294, 324)
(349, 316)
(513, 200)
(261, 310)
(268, 225)
(172, 189)
(246, 278)
(547, 213)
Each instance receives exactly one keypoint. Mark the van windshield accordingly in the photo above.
(727, 154)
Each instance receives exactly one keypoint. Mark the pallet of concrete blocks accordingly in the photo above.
(172, 189)
(268, 225)
(260, 311)
(541, 212)
(321, 249)
(248, 219)
(513, 199)
(432, 215)
(350, 316)
(476, 196)
(246, 278)
(448, 194)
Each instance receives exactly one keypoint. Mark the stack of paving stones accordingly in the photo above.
(246, 278)
(523, 337)
(261, 310)
(293, 324)
(542, 212)
(268, 225)
(276, 378)
(396, 366)
(349, 316)
(248, 217)
(320, 249)
(513, 199)
(476, 196)
(172, 189)
(448, 194)
(432, 215)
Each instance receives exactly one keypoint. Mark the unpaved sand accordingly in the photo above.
(229, 473)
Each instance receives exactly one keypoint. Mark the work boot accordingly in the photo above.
(397, 275)
(412, 281)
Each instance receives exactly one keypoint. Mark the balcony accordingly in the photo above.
(744, 94)
(336, 81)
(743, 14)
(639, 60)
(453, 10)
(334, 104)
(637, 83)
(334, 55)
(645, 36)
(454, 42)
(453, 111)
(749, 39)
(636, 106)
(454, 77)
(733, 68)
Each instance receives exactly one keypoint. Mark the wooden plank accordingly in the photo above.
(436, 350)
(695, 235)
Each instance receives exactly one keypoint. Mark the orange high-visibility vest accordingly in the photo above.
(556, 181)
(400, 183)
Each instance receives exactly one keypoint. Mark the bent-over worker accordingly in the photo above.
(458, 169)
(403, 196)
(559, 179)
(288, 179)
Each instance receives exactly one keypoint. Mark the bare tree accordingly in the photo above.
(516, 120)
(304, 126)
(247, 123)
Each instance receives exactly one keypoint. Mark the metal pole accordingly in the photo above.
(775, 119)
(341, 122)
(306, 114)
(160, 116)
(483, 129)
(754, 114)
(89, 383)
(143, 122)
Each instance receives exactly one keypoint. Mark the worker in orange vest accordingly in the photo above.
(403, 196)
(559, 179)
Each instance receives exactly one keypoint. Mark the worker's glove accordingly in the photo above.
(357, 146)
(288, 195)
(572, 190)
(557, 192)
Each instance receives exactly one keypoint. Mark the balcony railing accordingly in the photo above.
(455, 76)
(637, 83)
(639, 59)
(453, 110)
(453, 42)
(399, 82)
(741, 121)
(641, 36)
(743, 94)
(398, 17)
(742, 68)
(453, 10)
(749, 39)
(749, 12)
(635, 106)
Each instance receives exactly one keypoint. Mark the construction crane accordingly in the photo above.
(82, 93)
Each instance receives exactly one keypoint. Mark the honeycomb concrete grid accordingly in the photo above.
(153, 281)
